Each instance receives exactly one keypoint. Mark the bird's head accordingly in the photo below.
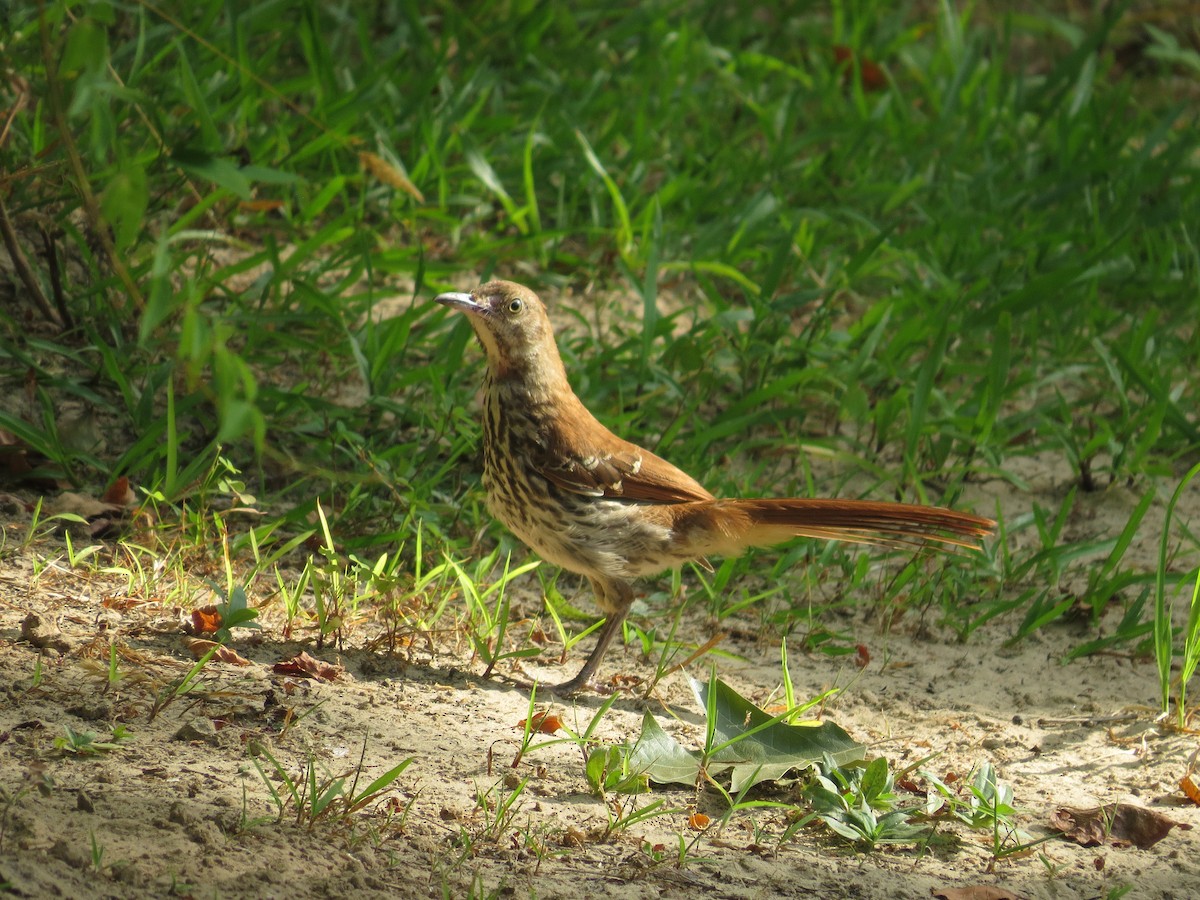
(513, 327)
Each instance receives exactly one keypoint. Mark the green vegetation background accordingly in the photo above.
(862, 247)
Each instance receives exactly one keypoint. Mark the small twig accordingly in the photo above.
(24, 271)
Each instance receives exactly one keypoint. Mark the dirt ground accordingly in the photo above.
(180, 808)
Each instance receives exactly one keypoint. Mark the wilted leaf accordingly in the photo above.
(1119, 824)
(1190, 790)
(206, 620)
(305, 666)
(198, 647)
(543, 723)
(975, 892)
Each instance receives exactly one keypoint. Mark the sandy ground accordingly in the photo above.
(181, 808)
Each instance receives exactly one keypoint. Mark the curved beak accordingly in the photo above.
(462, 302)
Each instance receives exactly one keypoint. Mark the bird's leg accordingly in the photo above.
(614, 597)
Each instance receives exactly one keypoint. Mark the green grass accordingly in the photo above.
(826, 288)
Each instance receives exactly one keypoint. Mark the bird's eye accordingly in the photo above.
(514, 305)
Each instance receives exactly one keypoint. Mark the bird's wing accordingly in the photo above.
(595, 462)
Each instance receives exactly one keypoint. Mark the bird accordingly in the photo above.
(595, 504)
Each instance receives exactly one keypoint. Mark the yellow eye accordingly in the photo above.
(514, 305)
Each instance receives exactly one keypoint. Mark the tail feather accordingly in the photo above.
(738, 524)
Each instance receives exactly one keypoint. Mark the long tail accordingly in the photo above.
(726, 527)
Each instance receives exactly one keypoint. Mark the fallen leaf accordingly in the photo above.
(543, 723)
(199, 646)
(305, 666)
(862, 657)
(975, 892)
(206, 620)
(755, 748)
(1189, 788)
(1119, 824)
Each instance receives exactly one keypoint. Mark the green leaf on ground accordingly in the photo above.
(747, 742)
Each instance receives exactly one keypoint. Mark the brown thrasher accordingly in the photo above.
(598, 505)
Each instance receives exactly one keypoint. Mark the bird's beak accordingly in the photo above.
(462, 302)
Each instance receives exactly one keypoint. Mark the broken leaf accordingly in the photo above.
(199, 647)
(305, 666)
(757, 747)
(751, 745)
(1119, 824)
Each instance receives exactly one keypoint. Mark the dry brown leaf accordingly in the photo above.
(543, 723)
(975, 892)
(199, 646)
(206, 620)
(1119, 824)
(305, 666)
(1189, 788)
